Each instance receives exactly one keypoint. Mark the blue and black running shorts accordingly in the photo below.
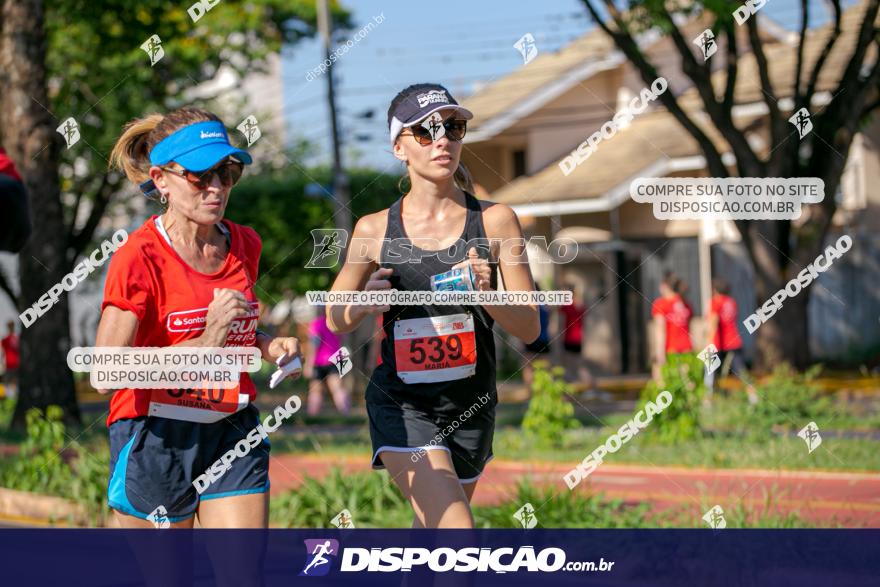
(154, 461)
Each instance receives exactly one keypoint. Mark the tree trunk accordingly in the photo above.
(31, 141)
(785, 336)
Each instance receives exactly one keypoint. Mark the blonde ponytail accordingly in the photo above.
(131, 153)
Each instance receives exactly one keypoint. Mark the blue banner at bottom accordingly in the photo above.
(319, 557)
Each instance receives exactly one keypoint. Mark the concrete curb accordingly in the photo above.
(34, 509)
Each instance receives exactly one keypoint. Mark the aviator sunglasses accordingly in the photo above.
(228, 173)
(455, 131)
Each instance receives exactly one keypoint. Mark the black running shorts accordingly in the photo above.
(461, 422)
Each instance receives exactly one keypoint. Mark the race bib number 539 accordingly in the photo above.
(435, 349)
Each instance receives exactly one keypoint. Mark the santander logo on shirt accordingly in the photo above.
(242, 331)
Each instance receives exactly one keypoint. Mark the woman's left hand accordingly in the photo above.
(480, 268)
(281, 346)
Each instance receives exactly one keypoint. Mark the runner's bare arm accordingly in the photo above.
(522, 322)
(360, 272)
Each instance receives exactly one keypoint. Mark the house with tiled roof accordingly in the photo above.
(527, 122)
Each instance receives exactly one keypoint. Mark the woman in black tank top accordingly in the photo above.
(431, 402)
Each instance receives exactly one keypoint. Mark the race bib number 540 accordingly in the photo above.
(435, 349)
(197, 405)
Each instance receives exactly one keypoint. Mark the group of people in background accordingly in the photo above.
(672, 314)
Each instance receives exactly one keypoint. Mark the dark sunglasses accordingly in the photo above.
(228, 173)
(455, 130)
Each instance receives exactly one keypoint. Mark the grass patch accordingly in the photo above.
(774, 451)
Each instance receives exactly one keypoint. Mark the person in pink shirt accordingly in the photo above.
(320, 370)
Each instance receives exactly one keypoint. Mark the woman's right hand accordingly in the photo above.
(227, 305)
(377, 281)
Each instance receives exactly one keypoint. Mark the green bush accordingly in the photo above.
(790, 399)
(568, 509)
(549, 414)
(39, 465)
(683, 377)
(373, 500)
(47, 464)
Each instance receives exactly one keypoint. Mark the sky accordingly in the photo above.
(459, 43)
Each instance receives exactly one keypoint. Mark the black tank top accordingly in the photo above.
(417, 277)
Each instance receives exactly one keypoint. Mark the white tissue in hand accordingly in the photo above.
(284, 371)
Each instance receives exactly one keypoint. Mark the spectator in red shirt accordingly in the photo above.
(723, 332)
(11, 356)
(672, 316)
(15, 216)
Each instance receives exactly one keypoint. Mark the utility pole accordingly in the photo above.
(341, 213)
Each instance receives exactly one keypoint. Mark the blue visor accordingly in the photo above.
(197, 147)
